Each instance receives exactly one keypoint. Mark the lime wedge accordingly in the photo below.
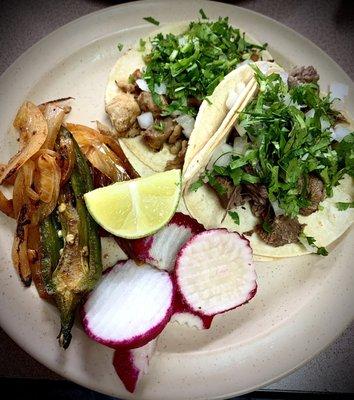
(136, 208)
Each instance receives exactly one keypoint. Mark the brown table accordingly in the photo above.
(330, 24)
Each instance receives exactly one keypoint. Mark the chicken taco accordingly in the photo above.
(281, 170)
(157, 90)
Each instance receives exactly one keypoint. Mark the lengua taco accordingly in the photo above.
(280, 169)
(158, 89)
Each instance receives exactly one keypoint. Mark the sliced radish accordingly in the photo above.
(130, 306)
(132, 364)
(215, 273)
(161, 248)
(184, 315)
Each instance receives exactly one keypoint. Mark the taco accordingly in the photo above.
(279, 170)
(157, 90)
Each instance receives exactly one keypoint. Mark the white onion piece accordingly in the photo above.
(338, 91)
(264, 67)
(276, 208)
(305, 243)
(160, 89)
(310, 113)
(284, 76)
(231, 99)
(324, 123)
(145, 120)
(221, 156)
(187, 124)
(182, 41)
(240, 145)
(142, 85)
(339, 132)
(289, 102)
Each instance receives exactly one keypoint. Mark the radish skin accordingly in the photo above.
(132, 364)
(215, 273)
(130, 306)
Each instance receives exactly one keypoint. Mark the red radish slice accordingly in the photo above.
(132, 364)
(161, 248)
(130, 306)
(215, 272)
(184, 315)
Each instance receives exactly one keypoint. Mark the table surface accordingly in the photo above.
(329, 24)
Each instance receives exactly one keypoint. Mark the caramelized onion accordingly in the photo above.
(33, 133)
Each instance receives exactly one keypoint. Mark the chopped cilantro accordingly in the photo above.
(235, 217)
(152, 20)
(196, 185)
(142, 44)
(120, 46)
(159, 126)
(344, 206)
(193, 63)
(202, 13)
(322, 251)
(266, 227)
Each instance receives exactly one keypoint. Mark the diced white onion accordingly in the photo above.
(182, 41)
(339, 132)
(240, 145)
(305, 243)
(284, 76)
(310, 113)
(231, 99)
(325, 124)
(338, 91)
(160, 89)
(276, 208)
(264, 67)
(221, 156)
(145, 120)
(142, 85)
(240, 128)
(289, 102)
(187, 124)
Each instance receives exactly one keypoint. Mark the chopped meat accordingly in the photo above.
(133, 131)
(177, 162)
(254, 57)
(137, 74)
(168, 125)
(175, 148)
(123, 111)
(194, 102)
(155, 139)
(232, 194)
(303, 75)
(126, 87)
(316, 193)
(146, 103)
(257, 196)
(176, 134)
(283, 230)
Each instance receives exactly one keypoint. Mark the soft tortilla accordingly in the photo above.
(212, 114)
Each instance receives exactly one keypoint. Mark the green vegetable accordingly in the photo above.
(344, 206)
(202, 13)
(50, 245)
(120, 46)
(152, 20)
(193, 63)
(79, 266)
(235, 217)
(321, 251)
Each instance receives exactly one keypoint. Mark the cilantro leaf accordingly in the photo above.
(344, 206)
(322, 251)
(152, 20)
(235, 217)
(266, 227)
(196, 185)
(120, 46)
(202, 13)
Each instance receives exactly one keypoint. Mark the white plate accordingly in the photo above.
(302, 303)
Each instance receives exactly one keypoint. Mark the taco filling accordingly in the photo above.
(287, 153)
(158, 101)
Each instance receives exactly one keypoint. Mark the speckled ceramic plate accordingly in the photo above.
(302, 303)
